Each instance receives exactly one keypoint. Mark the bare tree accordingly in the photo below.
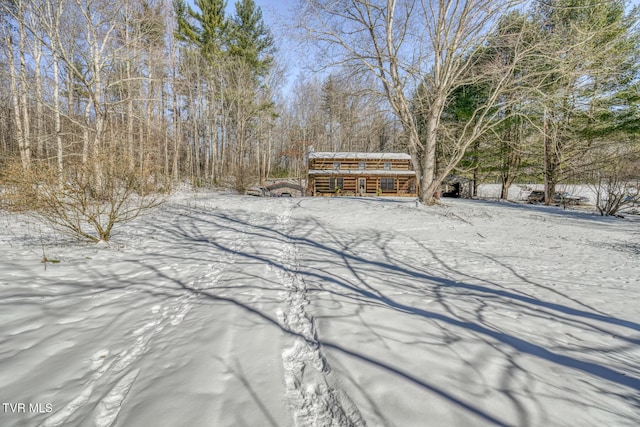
(408, 43)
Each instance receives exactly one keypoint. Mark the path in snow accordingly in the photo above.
(313, 401)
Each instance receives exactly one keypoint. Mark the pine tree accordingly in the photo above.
(250, 39)
(206, 28)
(590, 52)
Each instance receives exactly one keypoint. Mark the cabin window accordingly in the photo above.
(387, 184)
(336, 183)
(336, 166)
(387, 165)
(362, 165)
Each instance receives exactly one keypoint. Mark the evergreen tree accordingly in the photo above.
(250, 39)
(589, 54)
(206, 28)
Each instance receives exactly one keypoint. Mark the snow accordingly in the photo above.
(361, 156)
(313, 172)
(519, 192)
(224, 310)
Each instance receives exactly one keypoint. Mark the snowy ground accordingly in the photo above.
(226, 310)
(520, 192)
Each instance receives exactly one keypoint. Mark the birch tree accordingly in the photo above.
(51, 14)
(11, 14)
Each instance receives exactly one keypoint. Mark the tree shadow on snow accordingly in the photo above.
(353, 268)
(304, 235)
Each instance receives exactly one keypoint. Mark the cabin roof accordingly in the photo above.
(368, 172)
(359, 156)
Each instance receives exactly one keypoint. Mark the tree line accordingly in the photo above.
(99, 95)
(170, 88)
(183, 92)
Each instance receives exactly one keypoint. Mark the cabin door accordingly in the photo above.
(362, 186)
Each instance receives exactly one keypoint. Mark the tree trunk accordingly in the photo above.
(23, 80)
(85, 132)
(15, 97)
(56, 112)
(37, 48)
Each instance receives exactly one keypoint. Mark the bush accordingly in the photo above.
(244, 178)
(85, 200)
(612, 195)
(618, 185)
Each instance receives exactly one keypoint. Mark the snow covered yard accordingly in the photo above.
(226, 310)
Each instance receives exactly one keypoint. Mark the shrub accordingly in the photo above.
(618, 185)
(85, 200)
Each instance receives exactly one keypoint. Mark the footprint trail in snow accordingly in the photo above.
(307, 374)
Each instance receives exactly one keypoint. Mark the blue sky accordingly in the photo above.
(274, 12)
(278, 15)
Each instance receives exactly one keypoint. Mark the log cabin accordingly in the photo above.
(361, 174)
